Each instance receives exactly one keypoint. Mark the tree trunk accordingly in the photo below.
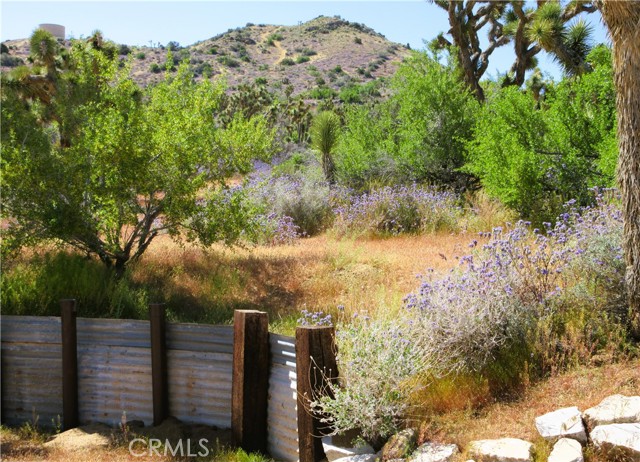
(623, 20)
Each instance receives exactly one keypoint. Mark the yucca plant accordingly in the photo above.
(325, 131)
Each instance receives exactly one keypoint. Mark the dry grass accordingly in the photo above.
(317, 274)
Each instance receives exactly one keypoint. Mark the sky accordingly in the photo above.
(187, 22)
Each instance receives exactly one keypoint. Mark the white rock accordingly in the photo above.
(335, 449)
(613, 409)
(566, 422)
(501, 450)
(359, 458)
(566, 450)
(623, 438)
(434, 452)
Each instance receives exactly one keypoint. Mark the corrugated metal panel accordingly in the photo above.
(114, 332)
(282, 418)
(114, 370)
(31, 369)
(200, 387)
(200, 337)
(200, 363)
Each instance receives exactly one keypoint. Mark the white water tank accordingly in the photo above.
(55, 29)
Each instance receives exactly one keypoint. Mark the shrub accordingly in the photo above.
(302, 59)
(287, 62)
(228, 61)
(124, 50)
(305, 198)
(140, 55)
(10, 61)
(357, 40)
(155, 68)
(377, 364)
(399, 209)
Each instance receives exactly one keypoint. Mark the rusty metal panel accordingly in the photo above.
(31, 367)
(282, 414)
(114, 370)
(200, 364)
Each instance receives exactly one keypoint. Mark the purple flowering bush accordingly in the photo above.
(524, 301)
(305, 199)
(393, 210)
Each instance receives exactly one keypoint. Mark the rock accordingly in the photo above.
(566, 450)
(91, 436)
(434, 452)
(358, 458)
(340, 447)
(613, 409)
(566, 422)
(501, 450)
(618, 440)
(400, 445)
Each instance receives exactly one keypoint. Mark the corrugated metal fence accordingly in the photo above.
(114, 375)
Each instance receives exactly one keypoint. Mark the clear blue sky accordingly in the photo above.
(137, 23)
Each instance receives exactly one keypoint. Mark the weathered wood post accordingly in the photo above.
(316, 366)
(159, 379)
(69, 364)
(250, 384)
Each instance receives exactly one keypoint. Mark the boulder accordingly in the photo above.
(501, 450)
(566, 422)
(337, 447)
(359, 458)
(400, 445)
(566, 450)
(434, 452)
(93, 436)
(618, 440)
(613, 409)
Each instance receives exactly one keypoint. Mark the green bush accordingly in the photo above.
(302, 59)
(140, 55)
(287, 62)
(36, 288)
(228, 61)
(155, 68)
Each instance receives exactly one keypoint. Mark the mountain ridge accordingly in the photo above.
(319, 56)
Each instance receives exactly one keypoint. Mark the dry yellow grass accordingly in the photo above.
(316, 274)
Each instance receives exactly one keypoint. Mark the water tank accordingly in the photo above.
(55, 29)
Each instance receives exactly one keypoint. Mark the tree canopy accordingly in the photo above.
(94, 161)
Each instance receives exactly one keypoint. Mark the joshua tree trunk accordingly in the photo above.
(623, 20)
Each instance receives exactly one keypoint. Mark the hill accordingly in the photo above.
(326, 52)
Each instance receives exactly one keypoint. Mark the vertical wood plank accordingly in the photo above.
(69, 364)
(160, 388)
(316, 366)
(249, 391)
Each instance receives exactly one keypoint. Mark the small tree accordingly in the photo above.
(325, 130)
(134, 166)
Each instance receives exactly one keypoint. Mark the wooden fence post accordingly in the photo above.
(250, 381)
(159, 363)
(316, 365)
(69, 364)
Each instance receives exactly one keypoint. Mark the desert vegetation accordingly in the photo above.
(460, 233)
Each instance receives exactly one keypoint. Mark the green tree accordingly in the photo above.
(134, 166)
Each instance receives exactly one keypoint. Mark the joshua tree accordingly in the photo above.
(623, 20)
(324, 137)
(548, 27)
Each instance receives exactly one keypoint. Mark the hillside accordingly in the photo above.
(324, 52)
